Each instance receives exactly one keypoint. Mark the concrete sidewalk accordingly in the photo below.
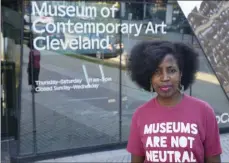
(122, 155)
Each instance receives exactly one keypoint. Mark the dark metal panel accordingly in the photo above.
(20, 79)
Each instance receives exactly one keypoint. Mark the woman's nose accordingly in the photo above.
(165, 77)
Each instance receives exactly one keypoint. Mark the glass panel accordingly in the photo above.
(76, 85)
(12, 28)
(178, 29)
(209, 20)
(155, 13)
(26, 119)
(132, 95)
(76, 91)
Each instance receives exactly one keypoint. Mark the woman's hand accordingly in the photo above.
(213, 159)
(137, 159)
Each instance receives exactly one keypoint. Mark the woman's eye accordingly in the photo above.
(173, 70)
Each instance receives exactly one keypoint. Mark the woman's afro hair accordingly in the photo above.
(146, 56)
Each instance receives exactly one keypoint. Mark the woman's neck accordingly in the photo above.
(170, 101)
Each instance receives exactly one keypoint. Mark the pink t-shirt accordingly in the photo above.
(188, 132)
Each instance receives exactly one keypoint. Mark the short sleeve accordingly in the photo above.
(212, 145)
(135, 145)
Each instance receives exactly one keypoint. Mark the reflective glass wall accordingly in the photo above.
(209, 21)
(10, 37)
(76, 95)
(76, 92)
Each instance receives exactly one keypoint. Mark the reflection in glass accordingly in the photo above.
(12, 27)
(209, 20)
(177, 30)
(85, 94)
(77, 98)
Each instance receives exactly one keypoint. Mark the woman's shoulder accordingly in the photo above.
(196, 100)
(198, 103)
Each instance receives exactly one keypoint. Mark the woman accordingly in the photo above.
(33, 67)
(173, 126)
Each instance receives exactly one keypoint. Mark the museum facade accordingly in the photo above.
(84, 99)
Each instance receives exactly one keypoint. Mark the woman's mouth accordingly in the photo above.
(165, 88)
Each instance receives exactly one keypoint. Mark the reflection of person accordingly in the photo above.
(173, 126)
(33, 66)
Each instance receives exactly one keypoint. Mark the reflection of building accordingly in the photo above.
(158, 10)
(208, 8)
(214, 34)
(197, 19)
(167, 11)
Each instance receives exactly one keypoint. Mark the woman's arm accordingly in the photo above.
(137, 159)
(213, 159)
(212, 145)
(134, 145)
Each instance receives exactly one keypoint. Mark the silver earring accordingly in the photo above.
(181, 88)
(151, 87)
(153, 92)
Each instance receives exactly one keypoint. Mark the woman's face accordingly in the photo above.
(166, 79)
